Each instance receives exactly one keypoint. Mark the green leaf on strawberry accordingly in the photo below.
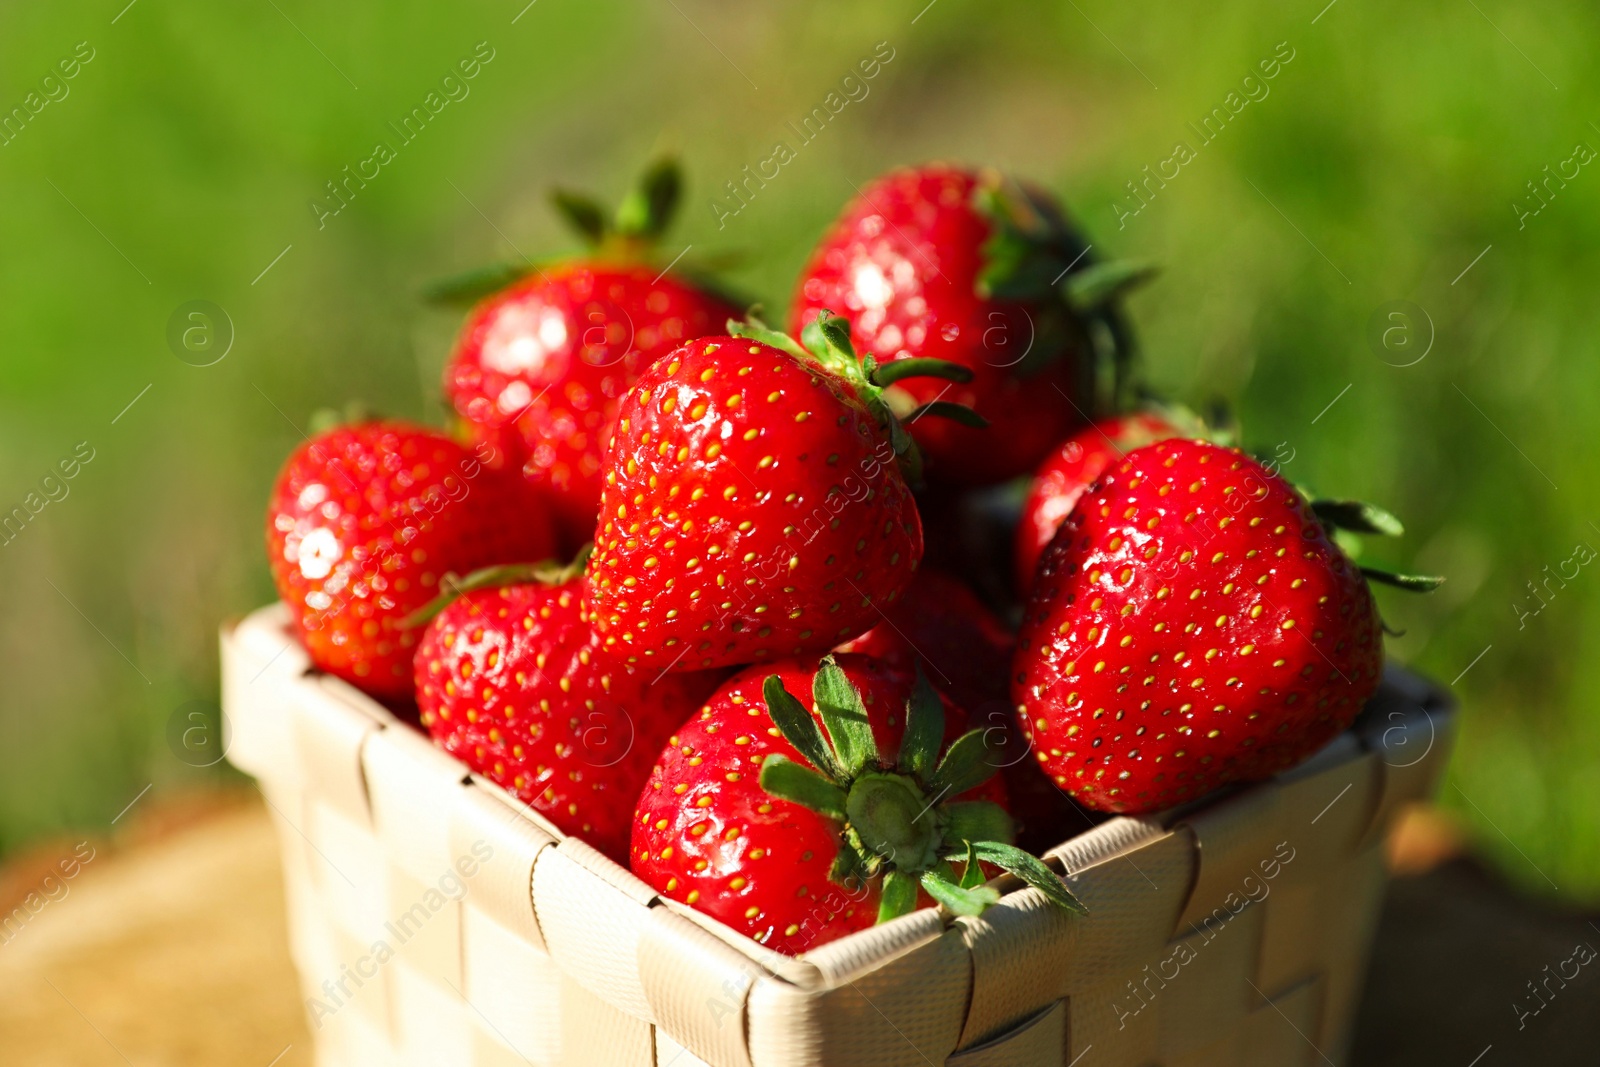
(919, 749)
(471, 286)
(899, 895)
(647, 211)
(1411, 583)
(823, 842)
(782, 777)
(1357, 517)
(896, 817)
(943, 886)
(1100, 284)
(582, 213)
(888, 373)
(826, 340)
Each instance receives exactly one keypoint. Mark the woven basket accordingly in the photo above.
(437, 920)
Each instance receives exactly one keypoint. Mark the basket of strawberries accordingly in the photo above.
(701, 701)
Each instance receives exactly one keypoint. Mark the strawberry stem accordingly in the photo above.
(888, 815)
(1035, 258)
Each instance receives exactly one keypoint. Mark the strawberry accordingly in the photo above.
(363, 522)
(955, 264)
(941, 628)
(1191, 625)
(512, 682)
(540, 366)
(754, 505)
(1068, 471)
(797, 835)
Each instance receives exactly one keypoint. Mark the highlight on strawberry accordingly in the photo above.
(363, 522)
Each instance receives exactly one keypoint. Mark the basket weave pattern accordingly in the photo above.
(437, 920)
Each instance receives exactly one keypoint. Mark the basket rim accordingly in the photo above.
(847, 958)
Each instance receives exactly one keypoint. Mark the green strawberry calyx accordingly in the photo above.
(1034, 257)
(897, 819)
(825, 342)
(1343, 518)
(453, 587)
(353, 413)
(629, 234)
(1215, 423)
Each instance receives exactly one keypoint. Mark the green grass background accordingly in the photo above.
(1385, 158)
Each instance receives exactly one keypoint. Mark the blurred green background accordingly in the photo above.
(1384, 159)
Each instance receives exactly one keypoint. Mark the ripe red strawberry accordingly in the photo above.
(1191, 625)
(1067, 473)
(940, 627)
(955, 264)
(363, 522)
(753, 505)
(512, 682)
(756, 819)
(540, 366)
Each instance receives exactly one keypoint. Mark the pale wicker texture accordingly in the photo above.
(466, 930)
